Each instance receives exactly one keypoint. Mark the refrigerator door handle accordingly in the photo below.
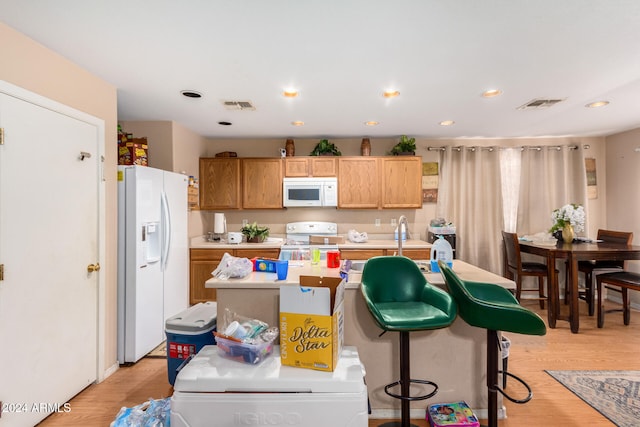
(166, 230)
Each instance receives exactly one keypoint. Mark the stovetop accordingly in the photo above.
(298, 232)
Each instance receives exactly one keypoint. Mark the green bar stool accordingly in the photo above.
(400, 299)
(492, 307)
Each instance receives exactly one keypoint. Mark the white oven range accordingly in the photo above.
(297, 242)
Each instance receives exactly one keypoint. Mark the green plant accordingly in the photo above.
(325, 147)
(406, 145)
(254, 231)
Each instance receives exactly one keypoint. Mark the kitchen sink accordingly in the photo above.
(357, 265)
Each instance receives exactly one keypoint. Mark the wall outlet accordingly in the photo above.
(377, 222)
(393, 222)
(245, 222)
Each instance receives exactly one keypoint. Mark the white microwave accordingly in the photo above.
(310, 192)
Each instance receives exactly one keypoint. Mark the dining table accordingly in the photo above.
(572, 253)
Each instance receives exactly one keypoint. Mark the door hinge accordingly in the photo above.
(1, 136)
(1, 272)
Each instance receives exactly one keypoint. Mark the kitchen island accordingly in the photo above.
(454, 357)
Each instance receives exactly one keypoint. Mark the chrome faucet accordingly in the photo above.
(402, 220)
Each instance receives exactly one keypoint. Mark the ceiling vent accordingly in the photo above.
(238, 105)
(538, 103)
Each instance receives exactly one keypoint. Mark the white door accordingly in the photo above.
(49, 235)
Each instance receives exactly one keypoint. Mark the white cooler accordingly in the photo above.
(214, 391)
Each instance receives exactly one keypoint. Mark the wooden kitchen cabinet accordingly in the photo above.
(358, 183)
(417, 254)
(262, 183)
(401, 182)
(261, 253)
(360, 254)
(303, 167)
(364, 254)
(219, 183)
(204, 261)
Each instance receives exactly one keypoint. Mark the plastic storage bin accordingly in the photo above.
(187, 332)
(244, 352)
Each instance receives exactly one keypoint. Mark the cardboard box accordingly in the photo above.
(133, 152)
(312, 323)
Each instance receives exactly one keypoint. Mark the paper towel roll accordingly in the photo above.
(219, 223)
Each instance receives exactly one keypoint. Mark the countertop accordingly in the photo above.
(263, 280)
(201, 243)
(276, 242)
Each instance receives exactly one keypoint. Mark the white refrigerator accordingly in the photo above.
(153, 258)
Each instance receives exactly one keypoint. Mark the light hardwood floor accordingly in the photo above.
(615, 347)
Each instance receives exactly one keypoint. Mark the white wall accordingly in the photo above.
(623, 185)
(33, 67)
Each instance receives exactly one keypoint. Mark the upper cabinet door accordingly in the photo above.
(262, 183)
(219, 183)
(324, 166)
(402, 182)
(296, 167)
(320, 166)
(358, 183)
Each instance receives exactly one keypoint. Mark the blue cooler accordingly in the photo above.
(187, 332)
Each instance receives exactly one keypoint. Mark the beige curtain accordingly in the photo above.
(470, 197)
(484, 190)
(551, 177)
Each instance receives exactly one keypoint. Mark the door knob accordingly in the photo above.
(93, 267)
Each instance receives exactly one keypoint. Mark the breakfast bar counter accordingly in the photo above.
(453, 357)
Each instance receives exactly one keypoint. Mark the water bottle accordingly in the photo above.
(441, 250)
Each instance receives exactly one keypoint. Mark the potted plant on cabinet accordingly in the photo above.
(325, 148)
(406, 147)
(255, 233)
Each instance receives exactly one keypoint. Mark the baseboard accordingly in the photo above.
(618, 299)
(111, 370)
(419, 414)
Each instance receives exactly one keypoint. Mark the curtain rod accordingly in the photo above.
(523, 147)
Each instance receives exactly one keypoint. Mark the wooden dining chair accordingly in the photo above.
(590, 267)
(515, 269)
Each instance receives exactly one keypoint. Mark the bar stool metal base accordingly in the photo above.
(405, 383)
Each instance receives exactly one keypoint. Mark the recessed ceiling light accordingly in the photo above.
(390, 93)
(224, 123)
(491, 93)
(371, 123)
(290, 93)
(191, 94)
(447, 123)
(297, 123)
(597, 104)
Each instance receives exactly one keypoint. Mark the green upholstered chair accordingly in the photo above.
(492, 307)
(400, 299)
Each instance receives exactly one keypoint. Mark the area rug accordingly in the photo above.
(615, 394)
(160, 352)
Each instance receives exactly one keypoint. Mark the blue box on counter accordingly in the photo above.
(264, 265)
(187, 332)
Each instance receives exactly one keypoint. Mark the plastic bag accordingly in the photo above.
(231, 266)
(356, 237)
(154, 413)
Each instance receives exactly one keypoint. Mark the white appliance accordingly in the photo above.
(297, 245)
(310, 192)
(153, 257)
(211, 390)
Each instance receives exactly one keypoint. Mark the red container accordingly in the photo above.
(333, 259)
